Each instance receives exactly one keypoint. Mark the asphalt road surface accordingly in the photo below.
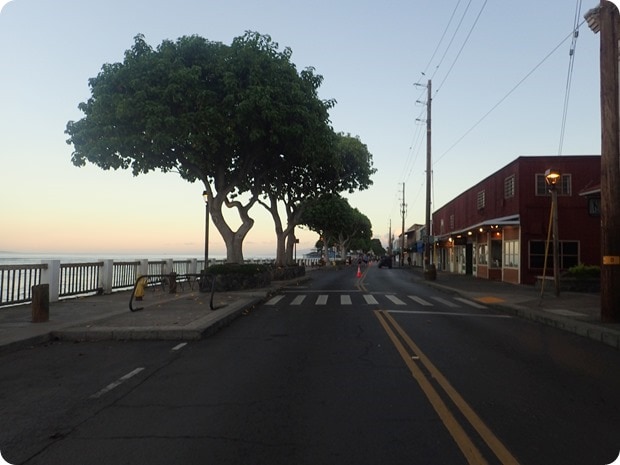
(344, 370)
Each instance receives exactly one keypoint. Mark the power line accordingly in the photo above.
(452, 39)
(462, 46)
(507, 95)
(569, 77)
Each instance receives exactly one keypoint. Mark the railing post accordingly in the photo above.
(169, 266)
(193, 266)
(51, 276)
(143, 268)
(105, 278)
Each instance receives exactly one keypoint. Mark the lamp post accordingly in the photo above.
(552, 177)
(205, 196)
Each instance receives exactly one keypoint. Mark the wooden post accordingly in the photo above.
(40, 303)
(610, 164)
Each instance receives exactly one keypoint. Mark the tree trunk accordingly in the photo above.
(232, 239)
(290, 247)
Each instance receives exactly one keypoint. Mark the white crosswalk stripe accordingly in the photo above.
(345, 299)
(321, 300)
(420, 300)
(395, 299)
(274, 300)
(298, 300)
(469, 302)
(446, 302)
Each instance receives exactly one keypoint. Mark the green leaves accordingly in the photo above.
(239, 117)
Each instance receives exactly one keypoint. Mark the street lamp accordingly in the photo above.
(552, 177)
(593, 19)
(205, 196)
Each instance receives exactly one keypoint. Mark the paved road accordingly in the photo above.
(343, 371)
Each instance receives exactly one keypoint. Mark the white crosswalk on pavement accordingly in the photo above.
(371, 299)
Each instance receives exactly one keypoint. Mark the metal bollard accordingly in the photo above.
(140, 287)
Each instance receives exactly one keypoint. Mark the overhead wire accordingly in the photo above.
(569, 77)
(515, 87)
(473, 26)
(414, 147)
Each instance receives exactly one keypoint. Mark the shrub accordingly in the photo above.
(584, 271)
(233, 277)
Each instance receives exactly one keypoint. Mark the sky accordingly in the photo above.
(499, 73)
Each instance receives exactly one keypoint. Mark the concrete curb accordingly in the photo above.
(202, 327)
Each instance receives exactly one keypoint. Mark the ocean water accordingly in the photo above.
(18, 258)
(11, 258)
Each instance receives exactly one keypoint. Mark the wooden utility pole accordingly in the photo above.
(402, 239)
(610, 163)
(389, 246)
(429, 270)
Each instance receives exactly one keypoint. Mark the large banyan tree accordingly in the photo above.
(239, 118)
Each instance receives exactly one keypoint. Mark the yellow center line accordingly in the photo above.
(470, 451)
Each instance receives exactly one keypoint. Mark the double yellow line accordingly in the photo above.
(399, 338)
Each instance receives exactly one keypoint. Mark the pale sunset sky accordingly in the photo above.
(500, 71)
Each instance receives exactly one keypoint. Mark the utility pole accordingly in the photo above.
(610, 164)
(430, 273)
(389, 245)
(403, 209)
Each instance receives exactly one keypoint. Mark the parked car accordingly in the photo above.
(385, 261)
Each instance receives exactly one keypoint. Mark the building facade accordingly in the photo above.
(499, 229)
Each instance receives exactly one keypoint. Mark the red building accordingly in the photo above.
(499, 228)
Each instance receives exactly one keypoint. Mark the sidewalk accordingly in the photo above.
(188, 316)
(183, 316)
(575, 312)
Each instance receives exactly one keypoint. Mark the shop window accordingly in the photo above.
(569, 254)
(483, 258)
(511, 254)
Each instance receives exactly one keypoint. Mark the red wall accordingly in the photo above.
(574, 221)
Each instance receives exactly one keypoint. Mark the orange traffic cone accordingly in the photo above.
(359, 272)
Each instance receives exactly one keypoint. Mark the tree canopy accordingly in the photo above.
(338, 223)
(240, 118)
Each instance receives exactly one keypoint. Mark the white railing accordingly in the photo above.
(67, 280)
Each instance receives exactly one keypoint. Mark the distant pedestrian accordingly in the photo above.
(409, 259)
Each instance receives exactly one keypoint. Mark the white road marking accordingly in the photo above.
(421, 301)
(469, 302)
(370, 299)
(447, 303)
(321, 300)
(116, 383)
(274, 300)
(395, 299)
(430, 312)
(345, 300)
(298, 300)
(180, 346)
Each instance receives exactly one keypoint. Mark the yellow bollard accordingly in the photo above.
(140, 287)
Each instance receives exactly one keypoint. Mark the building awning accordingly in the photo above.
(513, 220)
